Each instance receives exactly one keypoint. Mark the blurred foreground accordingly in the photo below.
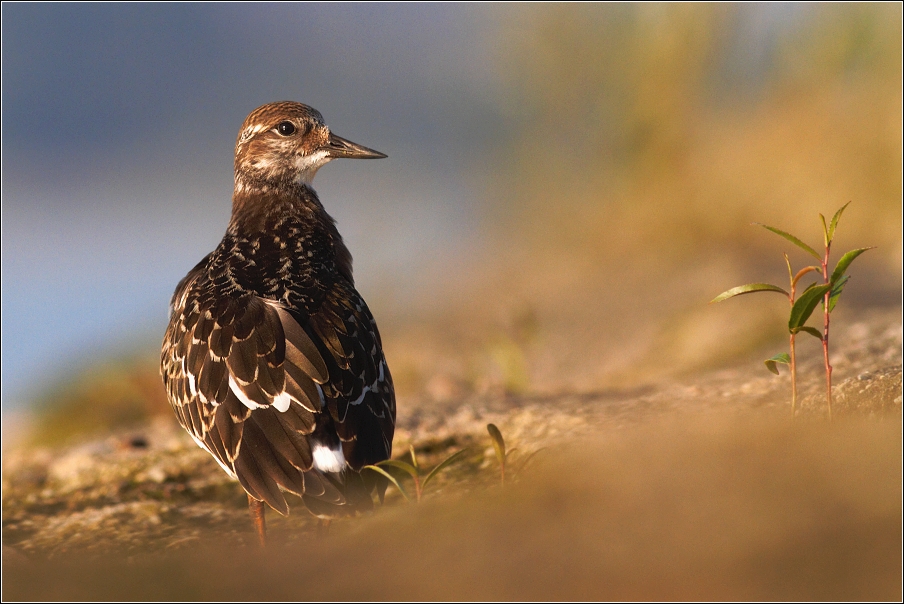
(702, 488)
(747, 508)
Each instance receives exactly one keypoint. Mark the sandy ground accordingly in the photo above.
(698, 487)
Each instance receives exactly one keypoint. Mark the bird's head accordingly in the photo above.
(288, 141)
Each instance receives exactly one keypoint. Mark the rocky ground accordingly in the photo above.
(149, 497)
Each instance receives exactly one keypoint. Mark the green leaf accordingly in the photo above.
(391, 479)
(771, 364)
(399, 465)
(498, 442)
(834, 222)
(836, 292)
(845, 262)
(805, 305)
(748, 289)
(413, 457)
(443, 464)
(812, 331)
(825, 230)
(792, 239)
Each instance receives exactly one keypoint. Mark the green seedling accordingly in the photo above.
(802, 307)
(794, 324)
(413, 469)
(502, 455)
(499, 446)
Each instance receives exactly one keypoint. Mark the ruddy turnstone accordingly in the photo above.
(272, 361)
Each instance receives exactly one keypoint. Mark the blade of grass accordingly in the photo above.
(413, 458)
(526, 461)
(400, 465)
(391, 479)
(498, 442)
(443, 464)
(792, 239)
(750, 288)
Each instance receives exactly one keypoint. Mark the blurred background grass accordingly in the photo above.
(657, 132)
(604, 163)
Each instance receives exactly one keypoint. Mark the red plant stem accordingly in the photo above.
(793, 379)
(793, 355)
(825, 331)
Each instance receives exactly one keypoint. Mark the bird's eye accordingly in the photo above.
(286, 128)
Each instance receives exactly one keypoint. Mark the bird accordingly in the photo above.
(272, 361)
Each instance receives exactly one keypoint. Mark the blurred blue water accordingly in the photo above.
(118, 125)
(118, 128)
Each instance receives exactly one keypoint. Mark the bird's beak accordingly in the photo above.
(340, 147)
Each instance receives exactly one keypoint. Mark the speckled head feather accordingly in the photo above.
(288, 142)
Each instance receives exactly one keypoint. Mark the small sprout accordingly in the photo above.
(392, 479)
(499, 446)
(803, 307)
(413, 470)
(771, 364)
(503, 455)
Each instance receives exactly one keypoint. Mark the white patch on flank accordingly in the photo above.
(241, 395)
(282, 401)
(309, 164)
(328, 460)
(201, 444)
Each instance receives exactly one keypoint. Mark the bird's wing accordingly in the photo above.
(245, 380)
(359, 395)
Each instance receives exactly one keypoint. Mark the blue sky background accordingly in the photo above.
(119, 121)
(118, 129)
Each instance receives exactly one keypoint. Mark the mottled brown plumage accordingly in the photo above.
(272, 360)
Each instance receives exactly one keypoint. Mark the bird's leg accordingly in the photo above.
(256, 509)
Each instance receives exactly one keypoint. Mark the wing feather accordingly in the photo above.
(250, 379)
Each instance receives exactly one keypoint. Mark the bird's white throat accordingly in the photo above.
(309, 164)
